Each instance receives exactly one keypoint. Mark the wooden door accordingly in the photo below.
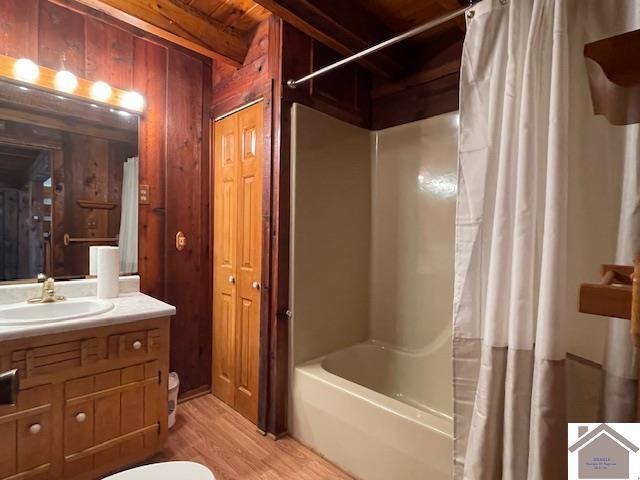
(237, 247)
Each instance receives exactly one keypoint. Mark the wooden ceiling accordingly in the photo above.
(241, 15)
(222, 29)
(402, 15)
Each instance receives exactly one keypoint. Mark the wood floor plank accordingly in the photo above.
(209, 432)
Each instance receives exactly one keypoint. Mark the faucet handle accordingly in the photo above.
(41, 278)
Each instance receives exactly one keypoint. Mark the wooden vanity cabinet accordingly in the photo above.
(91, 401)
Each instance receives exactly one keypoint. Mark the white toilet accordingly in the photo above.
(166, 471)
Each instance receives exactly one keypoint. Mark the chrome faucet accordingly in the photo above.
(48, 291)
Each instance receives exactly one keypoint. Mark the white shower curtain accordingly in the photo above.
(525, 119)
(128, 238)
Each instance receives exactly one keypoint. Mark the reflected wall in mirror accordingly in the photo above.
(68, 180)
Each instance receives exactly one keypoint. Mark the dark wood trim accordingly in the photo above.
(279, 341)
(195, 393)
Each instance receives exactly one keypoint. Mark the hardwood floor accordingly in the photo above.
(207, 431)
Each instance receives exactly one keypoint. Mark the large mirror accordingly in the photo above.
(68, 181)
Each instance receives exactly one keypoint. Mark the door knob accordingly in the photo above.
(81, 417)
(137, 345)
(232, 279)
(35, 428)
(256, 285)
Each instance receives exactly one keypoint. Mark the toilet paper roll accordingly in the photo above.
(108, 272)
(93, 260)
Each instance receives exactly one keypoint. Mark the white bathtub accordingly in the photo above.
(378, 412)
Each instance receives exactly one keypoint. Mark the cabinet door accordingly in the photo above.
(111, 416)
(224, 255)
(247, 330)
(26, 435)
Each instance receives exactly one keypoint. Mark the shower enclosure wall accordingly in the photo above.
(371, 294)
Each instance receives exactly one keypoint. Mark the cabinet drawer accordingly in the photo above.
(26, 434)
(132, 344)
(50, 359)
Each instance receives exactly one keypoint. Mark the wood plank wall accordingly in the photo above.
(173, 150)
(231, 89)
(353, 95)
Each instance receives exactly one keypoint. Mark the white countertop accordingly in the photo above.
(128, 307)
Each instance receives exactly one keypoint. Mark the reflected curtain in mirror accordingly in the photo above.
(128, 238)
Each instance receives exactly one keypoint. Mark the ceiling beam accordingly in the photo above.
(345, 27)
(179, 23)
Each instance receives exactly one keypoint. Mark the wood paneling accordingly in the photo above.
(179, 23)
(150, 77)
(232, 87)
(417, 102)
(187, 270)
(344, 27)
(18, 28)
(343, 93)
(239, 155)
(92, 172)
(61, 39)
(67, 33)
(109, 54)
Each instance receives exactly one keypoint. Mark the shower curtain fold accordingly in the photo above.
(526, 124)
(128, 238)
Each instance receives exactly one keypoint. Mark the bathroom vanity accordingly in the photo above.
(93, 388)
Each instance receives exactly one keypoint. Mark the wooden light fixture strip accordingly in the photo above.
(46, 80)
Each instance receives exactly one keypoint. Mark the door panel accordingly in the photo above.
(237, 258)
(250, 123)
(224, 255)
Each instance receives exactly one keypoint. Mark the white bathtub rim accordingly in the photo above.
(442, 425)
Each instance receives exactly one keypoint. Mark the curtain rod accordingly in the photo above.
(403, 36)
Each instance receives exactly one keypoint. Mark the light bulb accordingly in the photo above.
(132, 101)
(66, 81)
(100, 91)
(25, 70)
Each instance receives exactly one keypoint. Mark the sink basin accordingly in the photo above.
(36, 313)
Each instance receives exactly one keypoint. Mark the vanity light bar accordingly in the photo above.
(26, 72)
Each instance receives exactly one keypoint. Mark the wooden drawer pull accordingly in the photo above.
(137, 345)
(81, 417)
(35, 428)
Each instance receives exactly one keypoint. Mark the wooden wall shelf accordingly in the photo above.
(612, 296)
(96, 204)
(614, 77)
